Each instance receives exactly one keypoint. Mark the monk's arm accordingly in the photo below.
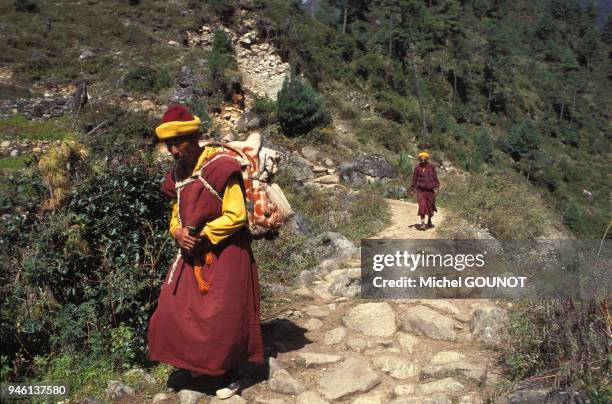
(435, 178)
(414, 178)
(174, 222)
(233, 215)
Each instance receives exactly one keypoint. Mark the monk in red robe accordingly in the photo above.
(425, 182)
(207, 318)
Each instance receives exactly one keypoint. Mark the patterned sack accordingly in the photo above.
(267, 206)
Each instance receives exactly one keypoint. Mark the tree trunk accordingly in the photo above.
(562, 111)
(421, 107)
(345, 17)
(489, 99)
(454, 84)
(574, 105)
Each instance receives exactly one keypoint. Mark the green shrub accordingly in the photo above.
(90, 273)
(29, 6)
(523, 141)
(484, 146)
(198, 106)
(263, 106)
(564, 338)
(225, 9)
(146, 78)
(300, 108)
(221, 57)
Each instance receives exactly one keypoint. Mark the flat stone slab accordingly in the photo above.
(335, 336)
(371, 319)
(396, 367)
(282, 382)
(449, 363)
(310, 397)
(318, 359)
(435, 399)
(423, 320)
(315, 311)
(352, 376)
(407, 342)
(446, 385)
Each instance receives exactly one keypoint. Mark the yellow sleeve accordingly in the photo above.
(233, 216)
(174, 222)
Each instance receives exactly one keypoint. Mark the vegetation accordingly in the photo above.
(564, 339)
(146, 78)
(529, 98)
(299, 108)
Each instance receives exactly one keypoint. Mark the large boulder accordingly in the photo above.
(347, 284)
(334, 245)
(367, 168)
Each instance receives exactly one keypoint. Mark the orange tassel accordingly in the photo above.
(202, 283)
(209, 258)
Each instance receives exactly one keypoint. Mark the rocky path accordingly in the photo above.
(331, 346)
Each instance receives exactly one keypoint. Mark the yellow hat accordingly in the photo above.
(177, 121)
(424, 154)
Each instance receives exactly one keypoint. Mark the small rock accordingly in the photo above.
(317, 359)
(313, 324)
(138, 372)
(434, 399)
(352, 376)
(14, 153)
(314, 311)
(396, 367)
(86, 54)
(447, 385)
(310, 153)
(147, 105)
(310, 397)
(274, 366)
(327, 179)
(319, 169)
(357, 344)
(161, 397)
(371, 319)
(282, 382)
(5, 144)
(347, 283)
(404, 389)
(450, 363)
(173, 43)
(335, 336)
(116, 390)
(189, 396)
(328, 162)
(235, 399)
(407, 342)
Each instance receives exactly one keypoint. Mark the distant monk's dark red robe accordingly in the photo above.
(425, 180)
(214, 332)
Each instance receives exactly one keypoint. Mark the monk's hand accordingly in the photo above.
(185, 241)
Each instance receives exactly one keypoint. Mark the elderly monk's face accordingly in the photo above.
(184, 149)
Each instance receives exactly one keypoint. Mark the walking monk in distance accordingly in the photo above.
(425, 182)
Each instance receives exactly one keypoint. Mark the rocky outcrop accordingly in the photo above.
(366, 169)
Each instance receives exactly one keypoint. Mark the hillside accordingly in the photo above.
(508, 96)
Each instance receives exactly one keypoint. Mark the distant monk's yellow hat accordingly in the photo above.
(177, 121)
(424, 154)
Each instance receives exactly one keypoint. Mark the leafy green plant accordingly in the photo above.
(147, 78)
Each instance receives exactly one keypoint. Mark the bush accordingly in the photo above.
(146, 78)
(28, 6)
(562, 338)
(90, 273)
(221, 57)
(225, 9)
(484, 146)
(300, 108)
(523, 141)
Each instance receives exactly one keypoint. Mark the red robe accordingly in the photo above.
(214, 332)
(425, 180)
